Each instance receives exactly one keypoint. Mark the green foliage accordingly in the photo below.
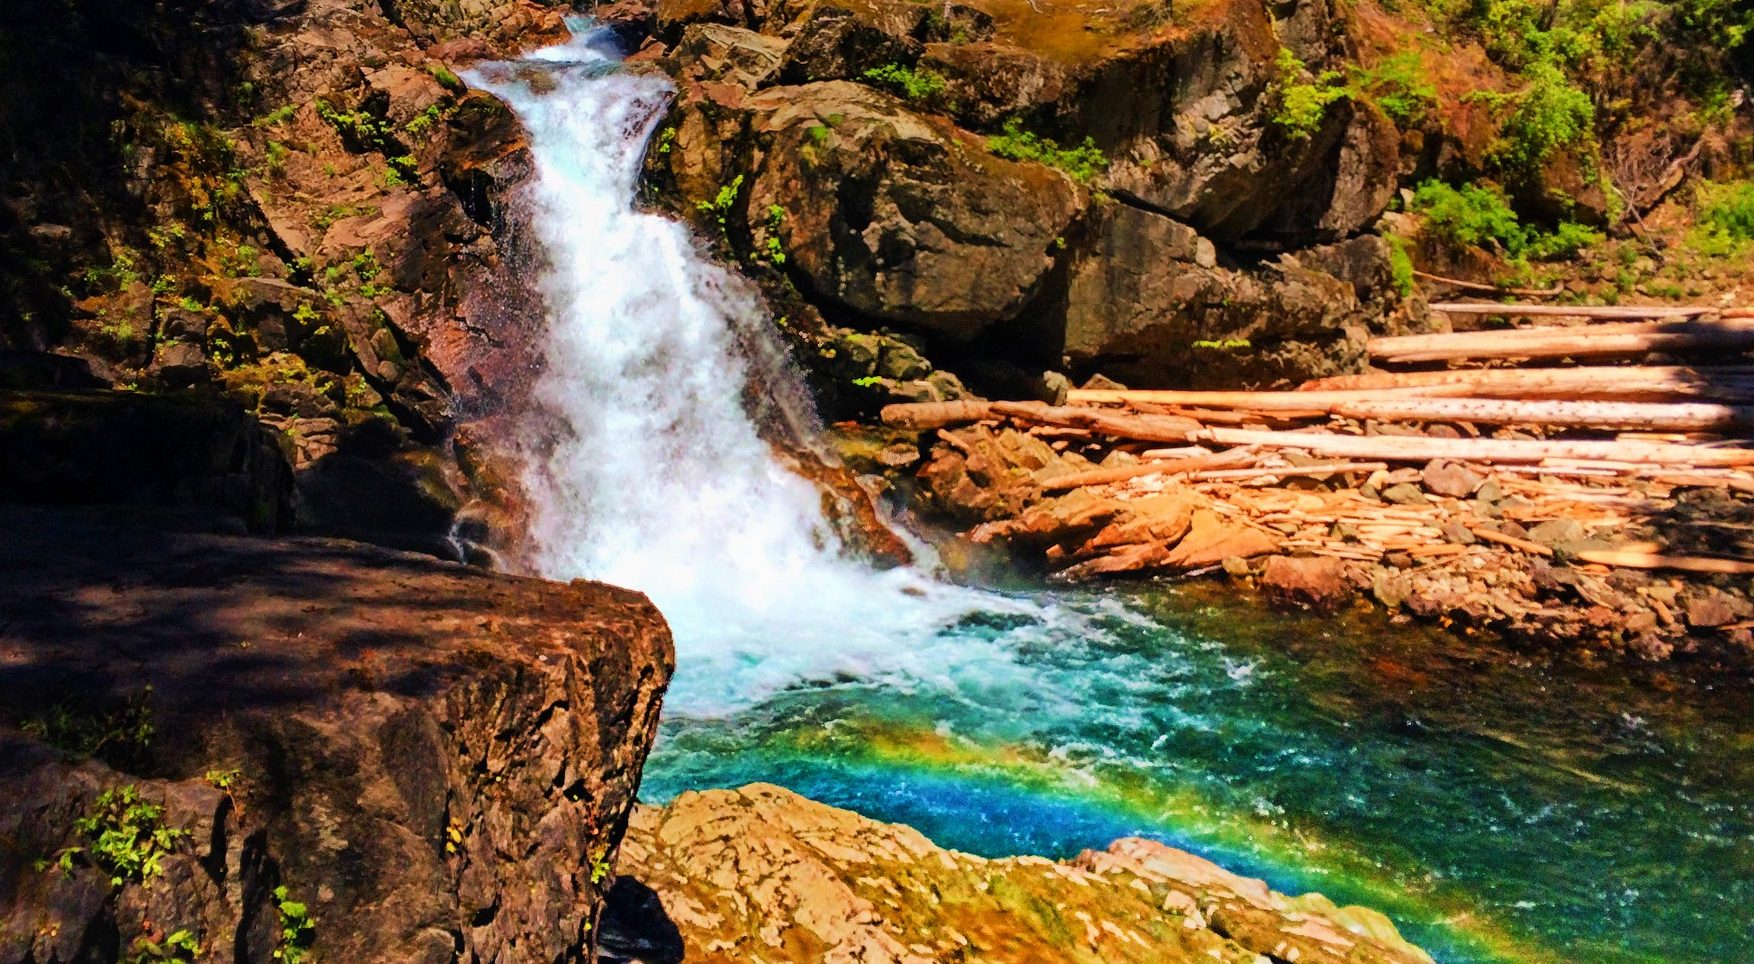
(178, 947)
(276, 117)
(1724, 224)
(1550, 113)
(274, 158)
(1400, 264)
(1083, 162)
(1400, 86)
(868, 381)
(121, 733)
(1303, 103)
(297, 928)
(918, 86)
(424, 120)
(1480, 216)
(126, 837)
(666, 140)
(772, 249)
(720, 206)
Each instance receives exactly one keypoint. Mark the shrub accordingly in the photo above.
(1083, 162)
(1480, 216)
(1549, 114)
(1400, 86)
(1400, 264)
(920, 86)
(126, 837)
(1724, 223)
(1303, 106)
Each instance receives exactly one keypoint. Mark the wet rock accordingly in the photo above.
(1306, 581)
(841, 887)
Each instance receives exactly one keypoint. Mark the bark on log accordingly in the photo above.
(1585, 340)
(1405, 448)
(1636, 382)
(1569, 311)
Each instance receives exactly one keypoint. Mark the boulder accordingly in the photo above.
(840, 887)
(899, 217)
(437, 761)
(1306, 581)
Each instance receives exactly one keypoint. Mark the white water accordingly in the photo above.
(658, 479)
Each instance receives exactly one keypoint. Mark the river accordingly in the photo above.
(1498, 807)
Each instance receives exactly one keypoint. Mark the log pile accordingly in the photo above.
(1511, 450)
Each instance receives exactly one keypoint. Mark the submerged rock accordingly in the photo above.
(761, 873)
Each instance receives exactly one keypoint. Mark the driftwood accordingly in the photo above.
(1652, 416)
(930, 415)
(1653, 560)
(1625, 338)
(1144, 428)
(1641, 382)
(1569, 311)
(1122, 473)
(1552, 292)
(1413, 448)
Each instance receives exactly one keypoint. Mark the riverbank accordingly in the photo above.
(1591, 508)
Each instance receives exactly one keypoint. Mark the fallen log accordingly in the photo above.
(1655, 416)
(1726, 384)
(1412, 448)
(1627, 338)
(1143, 428)
(1284, 471)
(931, 415)
(1122, 473)
(1552, 292)
(1569, 311)
(1655, 560)
(1488, 411)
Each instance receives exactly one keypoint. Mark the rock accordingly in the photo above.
(1710, 608)
(1211, 540)
(1144, 302)
(839, 887)
(435, 759)
(129, 448)
(943, 236)
(1446, 478)
(1557, 532)
(1404, 493)
(834, 44)
(1306, 581)
(740, 56)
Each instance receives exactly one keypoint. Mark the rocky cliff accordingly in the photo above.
(763, 874)
(306, 749)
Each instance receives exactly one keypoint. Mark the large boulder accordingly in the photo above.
(436, 761)
(835, 886)
(898, 216)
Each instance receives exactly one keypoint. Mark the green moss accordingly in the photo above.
(446, 78)
(1084, 162)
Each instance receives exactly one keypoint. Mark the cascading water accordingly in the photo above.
(660, 479)
(1316, 753)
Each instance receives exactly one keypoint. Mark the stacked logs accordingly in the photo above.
(1344, 467)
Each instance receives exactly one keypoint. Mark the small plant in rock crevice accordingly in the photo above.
(177, 947)
(121, 734)
(125, 837)
(772, 249)
(1302, 105)
(922, 86)
(720, 206)
(298, 929)
(1084, 162)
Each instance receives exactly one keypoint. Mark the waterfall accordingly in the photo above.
(657, 476)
